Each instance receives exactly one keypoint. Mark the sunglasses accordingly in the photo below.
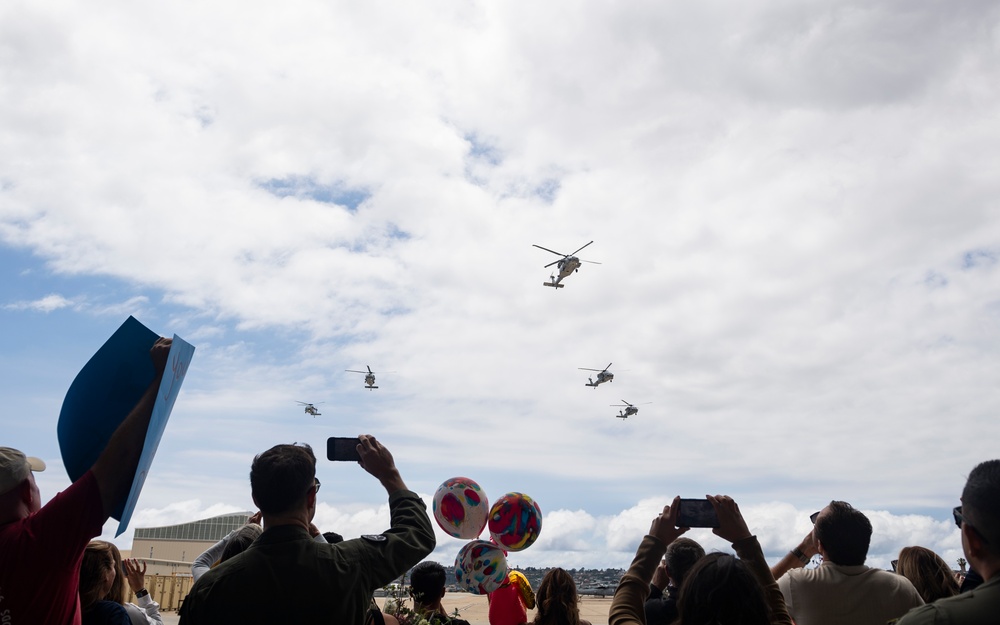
(812, 517)
(956, 513)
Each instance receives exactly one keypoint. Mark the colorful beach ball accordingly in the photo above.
(515, 521)
(480, 567)
(461, 508)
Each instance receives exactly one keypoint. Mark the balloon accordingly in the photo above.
(515, 521)
(480, 567)
(461, 508)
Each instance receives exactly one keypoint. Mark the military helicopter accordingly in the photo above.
(566, 265)
(630, 409)
(369, 377)
(603, 375)
(310, 408)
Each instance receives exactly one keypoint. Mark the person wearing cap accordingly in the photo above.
(41, 547)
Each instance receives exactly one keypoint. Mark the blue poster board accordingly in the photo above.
(103, 394)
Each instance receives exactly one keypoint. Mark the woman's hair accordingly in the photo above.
(721, 590)
(117, 592)
(556, 600)
(98, 557)
(930, 575)
(239, 542)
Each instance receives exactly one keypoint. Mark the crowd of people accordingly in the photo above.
(723, 589)
(286, 571)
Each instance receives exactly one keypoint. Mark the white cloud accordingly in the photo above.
(46, 304)
(785, 199)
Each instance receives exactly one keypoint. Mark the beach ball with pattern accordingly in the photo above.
(480, 567)
(461, 508)
(515, 521)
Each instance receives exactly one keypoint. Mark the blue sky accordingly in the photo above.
(794, 208)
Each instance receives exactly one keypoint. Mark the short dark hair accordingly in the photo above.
(981, 502)
(681, 556)
(721, 588)
(845, 534)
(281, 477)
(427, 582)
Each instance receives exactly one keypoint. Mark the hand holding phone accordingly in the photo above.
(696, 513)
(732, 525)
(340, 449)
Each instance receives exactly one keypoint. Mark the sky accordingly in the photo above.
(793, 204)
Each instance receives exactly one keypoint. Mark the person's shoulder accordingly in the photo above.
(106, 612)
(922, 615)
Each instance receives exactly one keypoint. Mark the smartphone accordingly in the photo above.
(342, 449)
(696, 513)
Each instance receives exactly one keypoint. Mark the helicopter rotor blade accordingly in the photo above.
(587, 369)
(579, 249)
(609, 366)
(553, 263)
(553, 251)
(354, 371)
(369, 368)
(592, 262)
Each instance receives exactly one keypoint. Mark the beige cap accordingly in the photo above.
(15, 467)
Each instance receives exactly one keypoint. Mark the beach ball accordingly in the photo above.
(480, 567)
(461, 508)
(515, 521)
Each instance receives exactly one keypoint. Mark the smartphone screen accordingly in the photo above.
(697, 513)
(342, 449)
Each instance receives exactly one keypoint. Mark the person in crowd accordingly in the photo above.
(509, 604)
(557, 600)
(427, 588)
(97, 576)
(41, 547)
(842, 590)
(979, 520)
(231, 544)
(148, 611)
(681, 555)
(287, 577)
(720, 589)
(929, 574)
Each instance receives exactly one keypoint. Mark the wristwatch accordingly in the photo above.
(803, 558)
(142, 593)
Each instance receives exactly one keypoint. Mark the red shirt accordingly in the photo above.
(40, 557)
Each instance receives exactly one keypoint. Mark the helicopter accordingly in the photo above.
(369, 377)
(310, 408)
(603, 375)
(630, 409)
(566, 265)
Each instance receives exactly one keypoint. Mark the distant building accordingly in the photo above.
(171, 549)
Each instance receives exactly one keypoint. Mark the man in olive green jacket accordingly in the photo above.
(979, 518)
(285, 576)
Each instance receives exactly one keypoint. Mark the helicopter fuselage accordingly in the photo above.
(602, 377)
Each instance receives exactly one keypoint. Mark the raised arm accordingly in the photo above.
(628, 606)
(796, 558)
(733, 527)
(116, 465)
(377, 461)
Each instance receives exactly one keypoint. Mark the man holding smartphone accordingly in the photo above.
(287, 577)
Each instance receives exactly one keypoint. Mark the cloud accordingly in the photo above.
(46, 304)
(790, 203)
